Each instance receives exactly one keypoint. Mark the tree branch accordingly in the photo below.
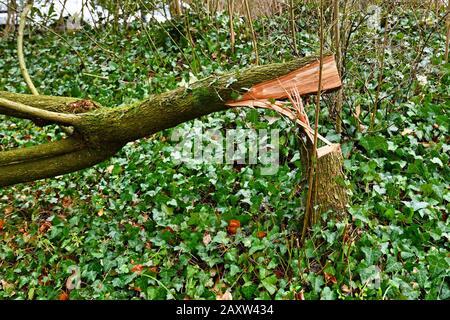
(46, 150)
(35, 113)
(54, 166)
(23, 67)
(49, 103)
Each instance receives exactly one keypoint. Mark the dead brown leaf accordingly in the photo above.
(226, 296)
(329, 278)
(206, 238)
(66, 202)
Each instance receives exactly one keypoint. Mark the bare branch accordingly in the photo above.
(69, 119)
(23, 67)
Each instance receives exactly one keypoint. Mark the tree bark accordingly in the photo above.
(10, 18)
(329, 190)
(100, 132)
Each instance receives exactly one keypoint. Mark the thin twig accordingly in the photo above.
(312, 175)
(250, 23)
(447, 39)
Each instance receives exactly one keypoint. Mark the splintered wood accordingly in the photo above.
(300, 82)
(330, 191)
(305, 80)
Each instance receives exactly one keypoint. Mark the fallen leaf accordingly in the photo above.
(45, 226)
(226, 296)
(8, 210)
(137, 289)
(233, 225)
(426, 144)
(6, 285)
(357, 111)
(406, 131)
(110, 169)
(278, 273)
(330, 278)
(73, 281)
(261, 234)
(206, 238)
(154, 269)
(345, 289)
(168, 229)
(63, 296)
(300, 296)
(67, 202)
(137, 268)
(2, 223)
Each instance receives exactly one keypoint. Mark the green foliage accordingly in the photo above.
(140, 226)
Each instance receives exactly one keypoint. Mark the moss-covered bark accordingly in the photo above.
(55, 165)
(100, 132)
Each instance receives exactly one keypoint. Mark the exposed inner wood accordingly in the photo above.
(323, 151)
(304, 79)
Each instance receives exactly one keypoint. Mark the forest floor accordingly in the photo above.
(141, 225)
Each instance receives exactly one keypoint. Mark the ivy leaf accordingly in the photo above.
(437, 161)
(327, 294)
(416, 205)
(374, 143)
(270, 284)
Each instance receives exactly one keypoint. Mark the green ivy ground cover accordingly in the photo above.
(141, 226)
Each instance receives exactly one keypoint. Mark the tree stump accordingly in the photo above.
(329, 189)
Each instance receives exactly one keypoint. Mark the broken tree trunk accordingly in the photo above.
(329, 191)
(100, 132)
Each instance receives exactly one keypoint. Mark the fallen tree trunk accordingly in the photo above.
(100, 132)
